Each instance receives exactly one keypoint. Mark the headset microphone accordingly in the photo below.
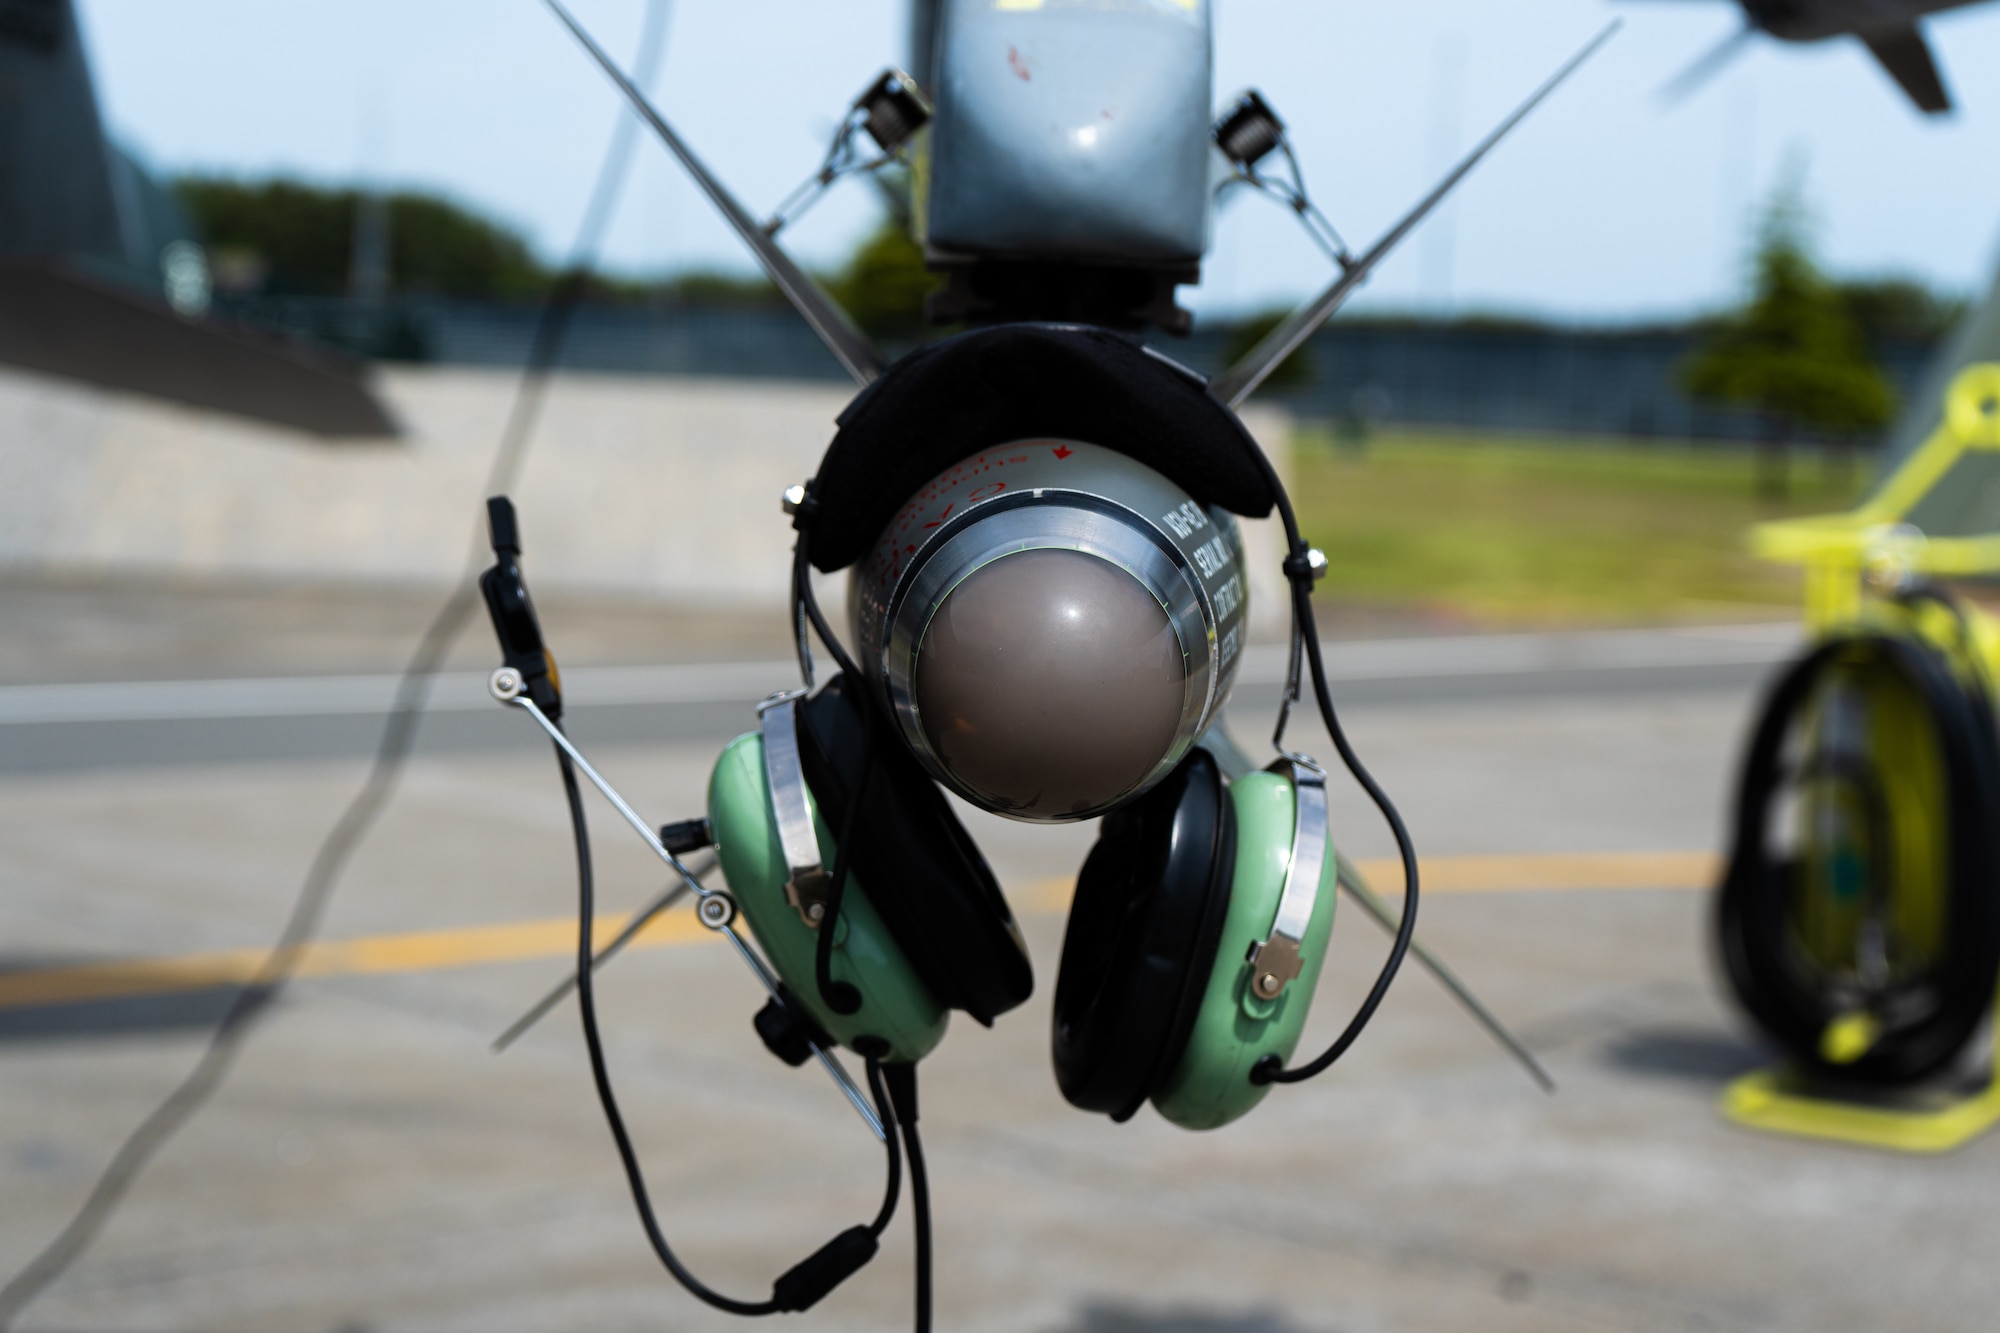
(529, 680)
(513, 613)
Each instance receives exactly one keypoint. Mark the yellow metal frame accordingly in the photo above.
(1774, 1100)
(1842, 555)
(1838, 549)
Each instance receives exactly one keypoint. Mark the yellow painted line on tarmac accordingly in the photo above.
(510, 942)
(424, 951)
(1530, 873)
(1550, 871)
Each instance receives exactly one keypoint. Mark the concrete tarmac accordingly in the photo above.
(371, 1165)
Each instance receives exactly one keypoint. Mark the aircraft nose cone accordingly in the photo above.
(1050, 682)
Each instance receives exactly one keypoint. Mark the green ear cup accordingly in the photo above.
(895, 1006)
(1210, 1086)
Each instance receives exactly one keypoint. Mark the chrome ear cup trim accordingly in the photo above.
(1050, 519)
(807, 883)
(1276, 962)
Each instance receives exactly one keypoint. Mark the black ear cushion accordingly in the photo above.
(991, 386)
(924, 874)
(1752, 926)
(1141, 940)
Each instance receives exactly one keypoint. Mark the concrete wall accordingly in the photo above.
(660, 487)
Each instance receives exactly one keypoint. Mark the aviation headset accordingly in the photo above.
(1202, 915)
(1887, 909)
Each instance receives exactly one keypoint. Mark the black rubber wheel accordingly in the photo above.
(1938, 1011)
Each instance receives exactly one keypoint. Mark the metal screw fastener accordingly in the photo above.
(794, 497)
(815, 911)
(1268, 985)
(1316, 564)
(716, 911)
(505, 684)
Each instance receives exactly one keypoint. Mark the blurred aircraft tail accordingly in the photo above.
(58, 176)
(1907, 57)
(1709, 64)
(99, 278)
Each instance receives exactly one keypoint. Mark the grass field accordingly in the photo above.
(1515, 530)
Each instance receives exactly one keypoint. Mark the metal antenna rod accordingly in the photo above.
(849, 345)
(709, 897)
(1357, 888)
(666, 898)
(1241, 379)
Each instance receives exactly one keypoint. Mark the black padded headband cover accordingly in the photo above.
(949, 400)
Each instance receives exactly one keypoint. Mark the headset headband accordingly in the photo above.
(807, 883)
(1276, 962)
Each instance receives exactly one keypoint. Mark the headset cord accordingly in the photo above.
(805, 601)
(885, 1107)
(586, 998)
(901, 1078)
(813, 1271)
(1298, 571)
(804, 597)
(839, 996)
(920, 1210)
(902, 1081)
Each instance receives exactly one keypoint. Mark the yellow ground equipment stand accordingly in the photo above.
(1772, 1099)
(1937, 517)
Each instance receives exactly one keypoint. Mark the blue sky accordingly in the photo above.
(1607, 205)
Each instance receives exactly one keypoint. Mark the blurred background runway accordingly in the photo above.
(372, 1165)
(272, 280)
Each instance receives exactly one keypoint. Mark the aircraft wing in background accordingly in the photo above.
(99, 281)
(58, 320)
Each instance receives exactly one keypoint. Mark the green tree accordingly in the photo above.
(1294, 372)
(1900, 310)
(299, 239)
(884, 283)
(1795, 352)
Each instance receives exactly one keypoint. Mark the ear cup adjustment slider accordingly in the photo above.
(808, 886)
(1276, 962)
